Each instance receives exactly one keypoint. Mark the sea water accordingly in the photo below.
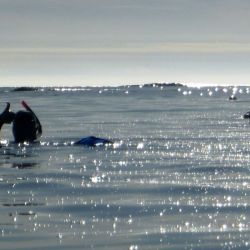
(176, 177)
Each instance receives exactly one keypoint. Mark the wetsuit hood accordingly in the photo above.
(25, 127)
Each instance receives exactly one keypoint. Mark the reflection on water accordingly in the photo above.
(177, 176)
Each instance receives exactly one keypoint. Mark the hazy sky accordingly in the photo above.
(104, 42)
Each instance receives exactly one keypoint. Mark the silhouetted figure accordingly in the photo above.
(7, 116)
(26, 126)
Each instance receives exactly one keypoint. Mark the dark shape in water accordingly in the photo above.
(92, 141)
(232, 98)
(22, 204)
(25, 89)
(29, 213)
(24, 165)
(246, 115)
(26, 125)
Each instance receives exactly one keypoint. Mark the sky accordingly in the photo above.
(115, 42)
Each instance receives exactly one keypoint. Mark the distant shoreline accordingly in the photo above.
(143, 85)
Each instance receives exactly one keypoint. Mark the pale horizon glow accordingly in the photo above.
(115, 42)
(177, 47)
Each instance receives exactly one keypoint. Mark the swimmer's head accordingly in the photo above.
(25, 127)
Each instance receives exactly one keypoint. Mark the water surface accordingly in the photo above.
(176, 177)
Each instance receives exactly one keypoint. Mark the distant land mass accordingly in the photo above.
(25, 89)
(163, 85)
(147, 85)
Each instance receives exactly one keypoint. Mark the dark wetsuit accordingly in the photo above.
(26, 126)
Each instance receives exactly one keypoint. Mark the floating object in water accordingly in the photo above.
(232, 98)
(246, 115)
(92, 141)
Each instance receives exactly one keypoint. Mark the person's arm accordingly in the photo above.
(7, 116)
(39, 126)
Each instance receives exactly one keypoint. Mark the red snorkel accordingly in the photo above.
(26, 106)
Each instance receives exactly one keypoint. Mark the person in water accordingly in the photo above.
(27, 127)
